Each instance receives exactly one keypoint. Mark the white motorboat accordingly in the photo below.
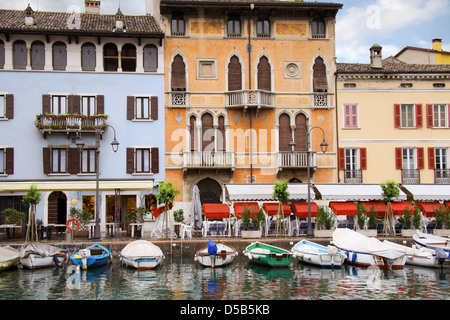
(365, 251)
(216, 254)
(317, 254)
(141, 255)
(35, 255)
(431, 241)
(418, 256)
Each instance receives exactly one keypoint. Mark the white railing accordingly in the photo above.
(208, 159)
(250, 98)
(296, 159)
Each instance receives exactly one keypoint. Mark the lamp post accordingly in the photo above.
(115, 147)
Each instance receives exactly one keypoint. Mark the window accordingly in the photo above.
(409, 158)
(351, 115)
(221, 139)
(2, 107)
(2, 54)
(59, 56)
(300, 133)
(2, 161)
(178, 78)
(263, 27)
(6, 160)
(318, 28)
(234, 26)
(59, 160)
(234, 74)
(88, 161)
(88, 107)
(264, 74)
(320, 83)
(150, 58)
(110, 57)
(128, 58)
(59, 105)
(178, 25)
(193, 133)
(142, 108)
(6, 106)
(207, 133)
(88, 57)
(37, 55)
(441, 158)
(142, 160)
(284, 133)
(440, 116)
(408, 115)
(206, 69)
(20, 55)
(352, 161)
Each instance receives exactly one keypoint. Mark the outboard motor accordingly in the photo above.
(441, 254)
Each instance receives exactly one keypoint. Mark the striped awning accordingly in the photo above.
(76, 185)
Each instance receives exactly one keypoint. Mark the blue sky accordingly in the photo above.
(394, 24)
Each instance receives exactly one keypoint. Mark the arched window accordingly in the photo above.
(300, 133)
(234, 74)
(88, 57)
(150, 58)
(59, 56)
(234, 26)
(37, 55)
(221, 138)
(193, 133)
(285, 133)
(207, 133)
(20, 55)
(264, 78)
(319, 76)
(110, 57)
(128, 58)
(178, 74)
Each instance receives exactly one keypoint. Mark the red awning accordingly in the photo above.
(301, 209)
(379, 207)
(428, 208)
(398, 207)
(271, 209)
(239, 208)
(216, 210)
(343, 208)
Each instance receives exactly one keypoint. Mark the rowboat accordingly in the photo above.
(431, 241)
(362, 251)
(9, 257)
(141, 255)
(418, 256)
(316, 254)
(268, 255)
(93, 256)
(35, 255)
(215, 254)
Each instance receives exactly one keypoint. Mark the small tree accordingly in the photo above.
(390, 191)
(31, 199)
(281, 194)
(442, 217)
(417, 218)
(12, 216)
(361, 214)
(372, 218)
(166, 195)
(406, 219)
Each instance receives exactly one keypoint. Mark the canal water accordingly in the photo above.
(180, 278)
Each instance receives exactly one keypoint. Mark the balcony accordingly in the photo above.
(321, 100)
(442, 176)
(353, 176)
(208, 160)
(296, 159)
(410, 176)
(250, 98)
(67, 123)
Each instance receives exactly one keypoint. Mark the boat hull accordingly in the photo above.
(86, 260)
(431, 241)
(315, 254)
(365, 260)
(268, 255)
(141, 255)
(5, 265)
(36, 261)
(144, 263)
(225, 255)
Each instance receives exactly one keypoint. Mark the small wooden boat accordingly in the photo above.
(93, 256)
(362, 251)
(141, 255)
(9, 257)
(268, 255)
(316, 254)
(35, 255)
(418, 256)
(431, 241)
(215, 254)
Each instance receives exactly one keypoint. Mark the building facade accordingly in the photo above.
(245, 84)
(71, 77)
(415, 55)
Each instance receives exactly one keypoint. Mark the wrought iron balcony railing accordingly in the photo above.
(208, 159)
(296, 159)
(66, 123)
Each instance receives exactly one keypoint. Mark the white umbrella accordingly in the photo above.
(195, 218)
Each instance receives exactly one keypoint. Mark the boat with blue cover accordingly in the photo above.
(316, 254)
(93, 256)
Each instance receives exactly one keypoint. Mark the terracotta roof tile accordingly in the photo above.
(392, 68)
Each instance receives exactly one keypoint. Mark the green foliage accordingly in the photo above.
(390, 190)
(12, 216)
(178, 215)
(417, 217)
(325, 218)
(362, 215)
(82, 215)
(442, 217)
(372, 218)
(166, 193)
(406, 219)
(33, 197)
(280, 192)
(135, 216)
(256, 220)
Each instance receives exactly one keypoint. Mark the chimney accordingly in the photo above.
(92, 6)
(29, 16)
(437, 44)
(119, 20)
(376, 57)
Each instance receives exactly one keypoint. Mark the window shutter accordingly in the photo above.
(207, 137)
(420, 158)
(178, 74)
(419, 118)
(221, 139)
(284, 133)
(9, 106)
(155, 160)
(397, 119)
(319, 76)
(46, 104)
(74, 160)
(100, 104)
(264, 81)
(448, 115)
(299, 133)
(46, 160)
(154, 107)
(341, 159)
(192, 131)
(429, 115)
(398, 159)
(74, 104)
(431, 159)
(363, 158)
(130, 160)
(9, 160)
(130, 108)
(234, 74)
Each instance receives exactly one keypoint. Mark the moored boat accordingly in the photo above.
(362, 251)
(141, 255)
(9, 257)
(35, 255)
(265, 254)
(418, 256)
(317, 254)
(215, 254)
(431, 241)
(93, 256)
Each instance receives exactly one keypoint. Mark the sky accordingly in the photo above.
(393, 24)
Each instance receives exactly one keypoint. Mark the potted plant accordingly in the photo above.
(134, 216)
(325, 221)
(442, 221)
(417, 218)
(85, 217)
(14, 217)
(372, 223)
(407, 222)
(178, 216)
(362, 218)
(252, 220)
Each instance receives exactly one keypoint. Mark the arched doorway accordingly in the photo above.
(210, 191)
(57, 208)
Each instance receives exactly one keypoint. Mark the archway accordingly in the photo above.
(210, 191)
(57, 208)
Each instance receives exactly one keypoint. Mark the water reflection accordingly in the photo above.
(183, 279)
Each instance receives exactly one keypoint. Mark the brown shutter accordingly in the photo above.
(448, 116)
(155, 160)
(45, 104)
(363, 158)
(398, 158)
(100, 104)
(74, 160)
(130, 108)
(397, 117)
(130, 160)
(429, 116)
(319, 76)
(46, 160)
(234, 74)
(9, 106)
(264, 81)
(194, 145)
(419, 121)
(221, 145)
(207, 136)
(341, 159)
(284, 135)
(420, 158)
(178, 74)
(76, 105)
(431, 159)
(9, 160)
(154, 107)
(300, 133)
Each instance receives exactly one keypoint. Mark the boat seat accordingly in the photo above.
(96, 251)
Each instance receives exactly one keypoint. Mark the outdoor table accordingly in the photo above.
(135, 226)
(8, 227)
